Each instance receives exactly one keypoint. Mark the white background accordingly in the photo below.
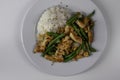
(15, 66)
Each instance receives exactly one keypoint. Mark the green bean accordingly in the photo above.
(67, 56)
(73, 19)
(51, 53)
(50, 45)
(72, 55)
(58, 41)
(92, 49)
(92, 26)
(80, 32)
(55, 39)
(83, 33)
(83, 45)
(88, 47)
(47, 50)
(76, 29)
(53, 34)
(91, 14)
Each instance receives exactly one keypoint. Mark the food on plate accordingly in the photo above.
(65, 36)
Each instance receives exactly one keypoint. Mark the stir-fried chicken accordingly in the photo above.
(42, 42)
(75, 37)
(90, 36)
(58, 58)
(64, 46)
(68, 29)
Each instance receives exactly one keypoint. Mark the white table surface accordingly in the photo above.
(15, 66)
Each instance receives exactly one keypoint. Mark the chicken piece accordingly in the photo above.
(64, 46)
(80, 24)
(75, 46)
(68, 29)
(39, 48)
(65, 39)
(90, 36)
(61, 30)
(86, 20)
(43, 40)
(48, 57)
(76, 38)
(81, 52)
(85, 54)
(40, 37)
(79, 56)
(71, 29)
(54, 58)
(59, 52)
(58, 58)
(86, 29)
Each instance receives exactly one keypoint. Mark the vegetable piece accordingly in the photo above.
(91, 14)
(54, 40)
(58, 41)
(92, 25)
(83, 46)
(83, 33)
(80, 24)
(76, 30)
(90, 48)
(75, 38)
(48, 49)
(73, 18)
(53, 34)
(80, 32)
(72, 55)
(51, 53)
(67, 56)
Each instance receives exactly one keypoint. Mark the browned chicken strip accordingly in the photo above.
(76, 38)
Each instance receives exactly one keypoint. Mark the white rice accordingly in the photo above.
(53, 18)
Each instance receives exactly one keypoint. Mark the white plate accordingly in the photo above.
(28, 35)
